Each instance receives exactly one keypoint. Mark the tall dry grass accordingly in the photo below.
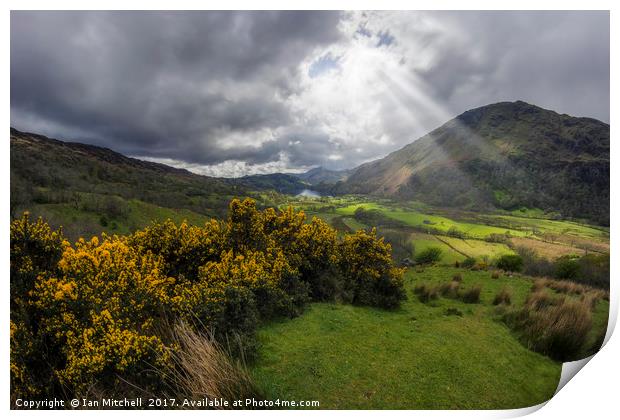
(553, 325)
(450, 289)
(204, 369)
(426, 293)
(503, 297)
(471, 295)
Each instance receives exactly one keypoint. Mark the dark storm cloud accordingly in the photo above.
(160, 84)
(204, 88)
(557, 60)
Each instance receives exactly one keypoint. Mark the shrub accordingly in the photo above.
(468, 262)
(426, 293)
(429, 255)
(510, 262)
(318, 251)
(503, 297)
(566, 267)
(369, 272)
(471, 295)
(183, 248)
(35, 249)
(534, 265)
(100, 312)
(591, 269)
(594, 270)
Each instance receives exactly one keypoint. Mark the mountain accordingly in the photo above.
(505, 155)
(321, 175)
(282, 183)
(85, 188)
(293, 183)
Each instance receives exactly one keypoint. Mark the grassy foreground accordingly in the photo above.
(418, 357)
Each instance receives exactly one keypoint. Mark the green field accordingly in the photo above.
(417, 357)
(421, 241)
(432, 226)
(455, 249)
(476, 248)
(431, 221)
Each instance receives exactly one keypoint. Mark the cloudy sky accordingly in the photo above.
(236, 93)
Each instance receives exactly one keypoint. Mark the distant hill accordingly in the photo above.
(506, 155)
(321, 175)
(294, 183)
(282, 183)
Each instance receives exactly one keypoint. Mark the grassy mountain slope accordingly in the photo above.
(89, 188)
(506, 155)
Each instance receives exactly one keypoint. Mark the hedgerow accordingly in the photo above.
(99, 313)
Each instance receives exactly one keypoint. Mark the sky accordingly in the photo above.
(238, 93)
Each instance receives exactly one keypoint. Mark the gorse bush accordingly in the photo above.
(370, 277)
(100, 311)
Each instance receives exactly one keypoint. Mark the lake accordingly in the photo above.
(309, 193)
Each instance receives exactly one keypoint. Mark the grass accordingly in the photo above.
(546, 249)
(139, 214)
(444, 354)
(204, 369)
(478, 226)
(503, 297)
(422, 241)
(353, 224)
(425, 220)
(553, 325)
(555, 226)
(477, 248)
